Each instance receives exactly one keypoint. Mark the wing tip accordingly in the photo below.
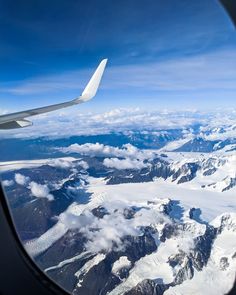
(104, 61)
(93, 84)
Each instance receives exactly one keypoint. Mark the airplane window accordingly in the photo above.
(118, 142)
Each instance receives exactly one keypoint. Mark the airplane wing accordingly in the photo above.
(17, 120)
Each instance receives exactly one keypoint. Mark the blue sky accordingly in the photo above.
(162, 54)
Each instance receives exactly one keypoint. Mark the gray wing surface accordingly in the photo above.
(17, 120)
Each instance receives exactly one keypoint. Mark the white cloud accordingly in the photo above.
(105, 234)
(92, 149)
(61, 163)
(67, 163)
(7, 183)
(84, 165)
(73, 221)
(124, 163)
(40, 190)
(21, 179)
(109, 233)
(102, 234)
(98, 149)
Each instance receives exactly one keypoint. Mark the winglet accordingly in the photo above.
(93, 84)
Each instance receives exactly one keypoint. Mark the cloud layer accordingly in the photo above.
(127, 121)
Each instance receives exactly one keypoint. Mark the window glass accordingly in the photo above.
(132, 192)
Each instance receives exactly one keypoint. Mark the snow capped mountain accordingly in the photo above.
(97, 237)
(139, 212)
(125, 249)
(215, 171)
